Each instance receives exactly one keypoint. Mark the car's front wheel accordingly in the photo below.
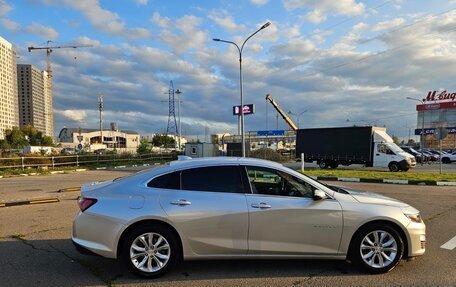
(150, 250)
(377, 248)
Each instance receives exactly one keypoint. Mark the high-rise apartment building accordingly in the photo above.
(9, 116)
(35, 105)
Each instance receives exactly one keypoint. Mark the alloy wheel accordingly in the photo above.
(378, 249)
(150, 252)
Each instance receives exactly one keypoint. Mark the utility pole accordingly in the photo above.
(100, 108)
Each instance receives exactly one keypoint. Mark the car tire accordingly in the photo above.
(150, 250)
(334, 164)
(323, 164)
(446, 160)
(394, 166)
(377, 248)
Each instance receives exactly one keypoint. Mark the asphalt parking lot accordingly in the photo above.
(35, 246)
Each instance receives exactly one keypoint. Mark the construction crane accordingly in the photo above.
(49, 50)
(281, 112)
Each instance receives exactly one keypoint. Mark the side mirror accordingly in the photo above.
(319, 195)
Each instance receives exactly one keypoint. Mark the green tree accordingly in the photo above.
(163, 140)
(144, 147)
(47, 141)
(32, 134)
(15, 138)
(396, 140)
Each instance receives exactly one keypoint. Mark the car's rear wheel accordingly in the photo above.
(150, 251)
(446, 160)
(323, 164)
(377, 248)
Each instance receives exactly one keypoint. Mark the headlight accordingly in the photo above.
(416, 217)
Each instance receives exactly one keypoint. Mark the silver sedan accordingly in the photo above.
(235, 208)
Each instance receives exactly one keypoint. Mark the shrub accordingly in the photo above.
(267, 153)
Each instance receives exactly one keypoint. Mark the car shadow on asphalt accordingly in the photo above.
(57, 263)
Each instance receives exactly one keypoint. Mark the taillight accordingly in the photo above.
(85, 203)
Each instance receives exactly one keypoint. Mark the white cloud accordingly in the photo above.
(259, 2)
(159, 20)
(45, 32)
(76, 115)
(226, 21)
(361, 26)
(4, 7)
(141, 2)
(321, 8)
(105, 20)
(385, 25)
(10, 25)
(184, 34)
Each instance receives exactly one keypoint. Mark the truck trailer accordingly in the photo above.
(370, 146)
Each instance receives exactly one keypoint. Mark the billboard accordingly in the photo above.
(248, 109)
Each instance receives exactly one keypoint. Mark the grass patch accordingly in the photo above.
(414, 176)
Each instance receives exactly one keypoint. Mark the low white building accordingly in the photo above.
(90, 139)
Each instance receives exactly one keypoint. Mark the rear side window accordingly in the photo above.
(167, 181)
(214, 178)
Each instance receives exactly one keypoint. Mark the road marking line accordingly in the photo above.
(450, 245)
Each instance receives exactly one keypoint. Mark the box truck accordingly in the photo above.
(370, 146)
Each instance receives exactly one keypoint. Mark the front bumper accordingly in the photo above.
(404, 164)
(417, 239)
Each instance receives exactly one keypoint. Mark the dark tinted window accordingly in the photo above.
(214, 178)
(167, 181)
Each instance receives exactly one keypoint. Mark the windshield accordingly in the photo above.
(394, 148)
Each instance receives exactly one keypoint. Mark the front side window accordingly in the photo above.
(275, 182)
(213, 178)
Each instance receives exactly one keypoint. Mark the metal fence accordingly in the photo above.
(77, 160)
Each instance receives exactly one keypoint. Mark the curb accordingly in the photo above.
(68, 189)
(385, 180)
(37, 201)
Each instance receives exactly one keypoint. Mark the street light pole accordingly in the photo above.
(297, 115)
(422, 129)
(178, 92)
(240, 78)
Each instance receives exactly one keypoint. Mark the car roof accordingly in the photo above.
(187, 162)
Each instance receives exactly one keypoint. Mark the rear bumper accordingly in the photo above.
(81, 249)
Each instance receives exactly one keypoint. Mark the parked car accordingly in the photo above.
(432, 156)
(100, 151)
(68, 151)
(239, 208)
(418, 155)
(449, 157)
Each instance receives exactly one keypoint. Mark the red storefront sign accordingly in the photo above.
(441, 100)
(436, 106)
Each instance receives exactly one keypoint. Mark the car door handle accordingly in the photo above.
(181, 202)
(261, 205)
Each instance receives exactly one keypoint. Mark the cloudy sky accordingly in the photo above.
(338, 63)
